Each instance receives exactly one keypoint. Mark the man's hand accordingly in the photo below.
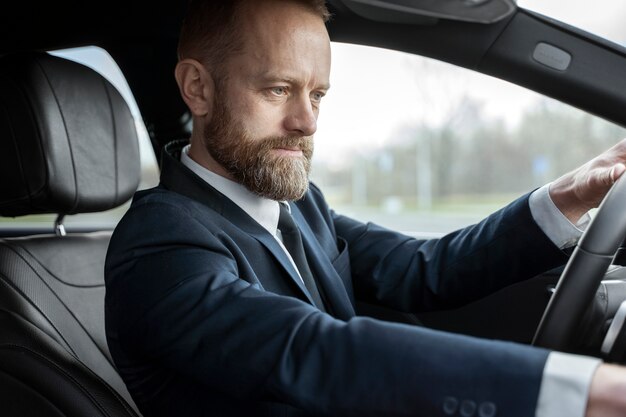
(607, 394)
(582, 189)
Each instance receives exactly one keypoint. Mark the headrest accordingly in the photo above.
(68, 142)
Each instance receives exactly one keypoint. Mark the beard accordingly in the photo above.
(252, 162)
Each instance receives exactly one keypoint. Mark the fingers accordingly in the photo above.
(609, 175)
(616, 171)
(584, 188)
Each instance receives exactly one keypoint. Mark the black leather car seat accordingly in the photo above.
(67, 145)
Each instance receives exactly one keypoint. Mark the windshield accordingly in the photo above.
(603, 18)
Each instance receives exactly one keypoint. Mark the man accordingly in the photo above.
(213, 310)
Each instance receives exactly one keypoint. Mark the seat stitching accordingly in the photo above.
(115, 156)
(67, 135)
(69, 310)
(9, 283)
(52, 274)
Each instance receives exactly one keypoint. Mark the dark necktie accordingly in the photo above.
(293, 242)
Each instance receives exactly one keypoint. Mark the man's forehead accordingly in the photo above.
(283, 30)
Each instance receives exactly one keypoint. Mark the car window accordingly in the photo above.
(102, 62)
(425, 147)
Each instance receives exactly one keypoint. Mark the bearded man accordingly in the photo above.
(231, 287)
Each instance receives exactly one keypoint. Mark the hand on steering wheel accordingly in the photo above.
(585, 269)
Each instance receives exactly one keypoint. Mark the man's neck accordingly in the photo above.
(204, 159)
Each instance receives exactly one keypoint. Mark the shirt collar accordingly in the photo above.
(263, 210)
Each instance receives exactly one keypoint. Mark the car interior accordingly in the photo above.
(68, 145)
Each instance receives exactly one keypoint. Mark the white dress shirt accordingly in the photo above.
(566, 377)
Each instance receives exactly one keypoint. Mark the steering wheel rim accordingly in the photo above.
(584, 271)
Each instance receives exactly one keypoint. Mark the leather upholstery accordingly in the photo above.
(67, 145)
(52, 322)
(68, 141)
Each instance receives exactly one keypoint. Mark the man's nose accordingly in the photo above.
(301, 118)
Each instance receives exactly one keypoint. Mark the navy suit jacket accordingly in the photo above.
(205, 315)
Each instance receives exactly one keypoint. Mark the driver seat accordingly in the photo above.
(68, 145)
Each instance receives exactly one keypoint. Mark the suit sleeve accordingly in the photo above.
(414, 275)
(176, 298)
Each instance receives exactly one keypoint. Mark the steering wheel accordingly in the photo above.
(584, 271)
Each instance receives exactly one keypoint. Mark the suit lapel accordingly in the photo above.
(177, 177)
(327, 278)
(272, 245)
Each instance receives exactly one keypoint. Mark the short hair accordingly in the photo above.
(209, 31)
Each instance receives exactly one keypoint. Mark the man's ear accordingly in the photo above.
(196, 86)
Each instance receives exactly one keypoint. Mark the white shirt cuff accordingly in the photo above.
(565, 385)
(552, 222)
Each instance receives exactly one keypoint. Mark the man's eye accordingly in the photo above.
(317, 97)
(279, 91)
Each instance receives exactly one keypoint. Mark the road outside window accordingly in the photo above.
(426, 147)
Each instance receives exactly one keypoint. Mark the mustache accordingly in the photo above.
(303, 143)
